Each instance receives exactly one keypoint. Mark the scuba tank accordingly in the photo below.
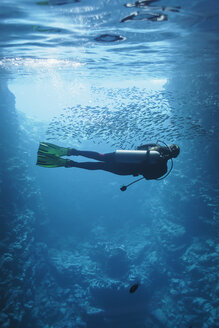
(136, 156)
(130, 156)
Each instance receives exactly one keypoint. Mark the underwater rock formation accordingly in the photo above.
(18, 195)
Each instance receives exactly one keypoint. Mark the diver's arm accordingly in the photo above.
(155, 167)
(153, 174)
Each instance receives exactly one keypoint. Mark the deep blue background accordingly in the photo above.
(72, 244)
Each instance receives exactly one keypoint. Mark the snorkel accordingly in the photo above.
(124, 188)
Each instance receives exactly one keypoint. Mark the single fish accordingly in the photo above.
(133, 288)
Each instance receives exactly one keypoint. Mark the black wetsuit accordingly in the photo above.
(107, 162)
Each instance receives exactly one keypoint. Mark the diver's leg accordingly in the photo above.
(86, 165)
(92, 154)
(104, 166)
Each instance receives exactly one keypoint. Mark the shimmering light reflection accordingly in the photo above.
(50, 91)
(9, 63)
(43, 98)
(59, 84)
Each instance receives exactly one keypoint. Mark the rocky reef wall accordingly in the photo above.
(18, 208)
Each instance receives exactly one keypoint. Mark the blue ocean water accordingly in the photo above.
(107, 75)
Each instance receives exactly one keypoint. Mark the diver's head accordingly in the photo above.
(174, 150)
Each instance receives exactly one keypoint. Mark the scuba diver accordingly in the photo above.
(149, 160)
